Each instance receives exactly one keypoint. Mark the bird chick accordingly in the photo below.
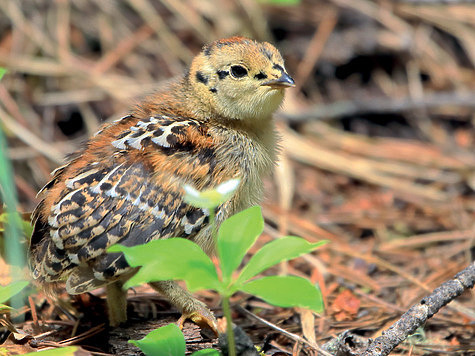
(126, 185)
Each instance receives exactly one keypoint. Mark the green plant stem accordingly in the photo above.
(14, 251)
(229, 327)
(226, 308)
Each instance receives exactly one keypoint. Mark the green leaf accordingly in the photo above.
(165, 341)
(2, 72)
(286, 291)
(236, 235)
(206, 352)
(283, 249)
(4, 308)
(8, 291)
(26, 226)
(170, 259)
(61, 351)
(210, 198)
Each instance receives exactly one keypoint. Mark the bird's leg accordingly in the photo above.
(190, 307)
(116, 303)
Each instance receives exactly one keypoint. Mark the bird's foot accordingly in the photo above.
(190, 307)
(201, 316)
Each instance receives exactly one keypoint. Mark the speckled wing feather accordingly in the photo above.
(118, 198)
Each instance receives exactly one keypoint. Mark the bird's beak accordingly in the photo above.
(284, 81)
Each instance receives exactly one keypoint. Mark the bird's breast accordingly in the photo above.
(253, 158)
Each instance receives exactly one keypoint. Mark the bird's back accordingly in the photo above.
(125, 187)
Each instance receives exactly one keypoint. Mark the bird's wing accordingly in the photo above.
(130, 197)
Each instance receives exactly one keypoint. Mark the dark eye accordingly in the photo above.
(238, 71)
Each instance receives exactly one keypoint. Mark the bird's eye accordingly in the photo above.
(238, 71)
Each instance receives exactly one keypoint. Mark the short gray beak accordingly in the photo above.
(284, 81)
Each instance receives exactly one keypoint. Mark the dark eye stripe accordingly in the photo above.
(260, 76)
(201, 78)
(278, 67)
(222, 74)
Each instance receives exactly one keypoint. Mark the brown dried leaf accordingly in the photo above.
(345, 306)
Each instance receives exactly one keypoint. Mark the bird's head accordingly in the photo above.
(239, 78)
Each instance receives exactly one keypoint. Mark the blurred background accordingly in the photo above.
(378, 136)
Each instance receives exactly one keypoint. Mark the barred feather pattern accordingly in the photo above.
(118, 198)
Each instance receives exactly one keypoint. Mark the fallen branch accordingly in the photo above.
(417, 315)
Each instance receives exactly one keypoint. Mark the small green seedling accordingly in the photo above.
(8, 291)
(235, 237)
(60, 351)
(167, 340)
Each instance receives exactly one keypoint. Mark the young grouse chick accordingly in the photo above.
(126, 185)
